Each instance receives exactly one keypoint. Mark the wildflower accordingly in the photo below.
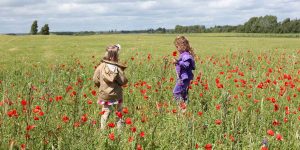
(239, 108)
(94, 93)
(208, 146)
(139, 147)
(128, 121)
(111, 125)
(58, 98)
(218, 122)
(200, 113)
(133, 129)
(174, 53)
(89, 102)
(279, 137)
(41, 113)
(276, 123)
(12, 113)
(23, 102)
(125, 110)
(65, 119)
(84, 118)
(285, 120)
(276, 107)
(270, 132)
(68, 88)
(73, 93)
(174, 111)
(196, 146)
(23, 146)
(130, 139)
(119, 114)
(30, 127)
(142, 134)
(111, 136)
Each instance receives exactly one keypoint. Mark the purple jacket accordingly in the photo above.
(185, 65)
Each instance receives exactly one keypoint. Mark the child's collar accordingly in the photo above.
(114, 63)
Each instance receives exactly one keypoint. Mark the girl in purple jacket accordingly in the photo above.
(184, 67)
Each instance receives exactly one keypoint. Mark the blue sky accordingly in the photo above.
(16, 16)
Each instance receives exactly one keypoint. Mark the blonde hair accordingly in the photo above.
(112, 53)
(182, 44)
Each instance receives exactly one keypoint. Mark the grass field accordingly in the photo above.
(47, 99)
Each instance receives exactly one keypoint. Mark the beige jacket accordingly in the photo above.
(110, 78)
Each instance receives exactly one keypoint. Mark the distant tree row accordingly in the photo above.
(263, 24)
(266, 24)
(34, 29)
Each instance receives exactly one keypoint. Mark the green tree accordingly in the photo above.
(45, 30)
(34, 28)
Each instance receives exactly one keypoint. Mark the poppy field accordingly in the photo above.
(245, 93)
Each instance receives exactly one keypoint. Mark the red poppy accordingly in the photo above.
(240, 108)
(220, 86)
(73, 93)
(111, 125)
(58, 98)
(218, 122)
(128, 121)
(276, 123)
(36, 118)
(111, 136)
(12, 113)
(279, 137)
(125, 110)
(208, 146)
(270, 132)
(139, 147)
(23, 147)
(41, 113)
(174, 111)
(196, 146)
(142, 134)
(200, 113)
(84, 118)
(133, 129)
(174, 53)
(119, 114)
(24, 102)
(130, 139)
(285, 120)
(94, 93)
(101, 112)
(89, 102)
(276, 107)
(65, 119)
(68, 88)
(30, 127)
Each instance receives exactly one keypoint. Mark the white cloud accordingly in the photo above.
(78, 15)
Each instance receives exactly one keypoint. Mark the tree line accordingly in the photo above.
(34, 29)
(262, 24)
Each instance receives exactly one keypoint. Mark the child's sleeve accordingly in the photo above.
(121, 80)
(185, 62)
(96, 77)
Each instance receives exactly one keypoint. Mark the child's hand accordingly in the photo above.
(175, 61)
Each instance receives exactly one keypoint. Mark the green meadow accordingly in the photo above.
(46, 49)
(47, 100)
